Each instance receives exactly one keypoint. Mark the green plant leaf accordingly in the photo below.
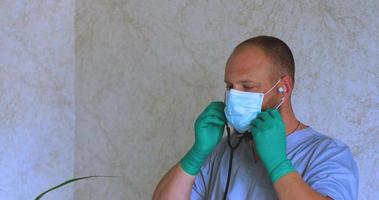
(70, 181)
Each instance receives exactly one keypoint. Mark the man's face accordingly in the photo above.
(248, 69)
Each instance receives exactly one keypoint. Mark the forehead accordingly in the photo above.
(248, 64)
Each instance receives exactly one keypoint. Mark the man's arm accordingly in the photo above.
(269, 136)
(333, 173)
(176, 184)
(292, 186)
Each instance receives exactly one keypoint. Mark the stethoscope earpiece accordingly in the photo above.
(281, 90)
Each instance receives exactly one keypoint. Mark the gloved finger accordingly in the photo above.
(216, 112)
(264, 116)
(270, 109)
(214, 106)
(217, 105)
(269, 112)
(254, 130)
(257, 122)
(211, 120)
(275, 113)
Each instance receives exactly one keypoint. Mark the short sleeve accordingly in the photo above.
(198, 188)
(203, 179)
(333, 172)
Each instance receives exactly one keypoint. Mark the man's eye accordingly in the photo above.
(228, 87)
(249, 87)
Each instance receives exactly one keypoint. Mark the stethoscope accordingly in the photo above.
(232, 148)
(240, 136)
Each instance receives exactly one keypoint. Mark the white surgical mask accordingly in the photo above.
(243, 107)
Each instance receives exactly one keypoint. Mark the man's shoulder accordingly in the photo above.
(316, 145)
(323, 147)
(326, 140)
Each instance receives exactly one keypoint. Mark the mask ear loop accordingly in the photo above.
(272, 87)
(281, 102)
(283, 97)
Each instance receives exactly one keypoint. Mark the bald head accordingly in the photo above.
(276, 50)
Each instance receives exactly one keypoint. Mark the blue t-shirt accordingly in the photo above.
(325, 164)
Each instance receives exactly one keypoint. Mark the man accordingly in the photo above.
(278, 157)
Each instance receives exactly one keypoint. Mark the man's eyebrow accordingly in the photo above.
(248, 81)
(244, 81)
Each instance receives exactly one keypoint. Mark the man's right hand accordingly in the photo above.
(209, 128)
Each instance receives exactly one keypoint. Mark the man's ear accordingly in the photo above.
(287, 85)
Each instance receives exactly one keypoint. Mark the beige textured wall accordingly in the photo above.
(37, 110)
(118, 94)
(145, 69)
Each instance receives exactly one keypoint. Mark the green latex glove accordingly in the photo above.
(209, 128)
(269, 136)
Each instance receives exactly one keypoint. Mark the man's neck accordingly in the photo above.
(291, 123)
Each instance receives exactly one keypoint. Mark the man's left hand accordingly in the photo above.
(268, 132)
